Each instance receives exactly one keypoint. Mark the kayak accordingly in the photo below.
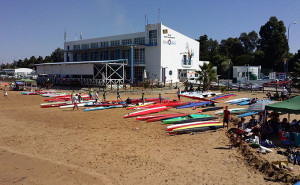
(95, 108)
(151, 116)
(237, 99)
(197, 123)
(239, 111)
(165, 117)
(194, 119)
(192, 116)
(192, 104)
(147, 111)
(222, 96)
(79, 105)
(197, 129)
(247, 114)
(210, 109)
(235, 109)
(244, 103)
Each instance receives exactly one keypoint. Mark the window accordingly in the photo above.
(85, 46)
(139, 56)
(184, 60)
(139, 41)
(94, 45)
(125, 54)
(68, 48)
(104, 44)
(113, 55)
(126, 41)
(76, 47)
(115, 43)
(153, 37)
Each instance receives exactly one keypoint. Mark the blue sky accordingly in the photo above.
(36, 27)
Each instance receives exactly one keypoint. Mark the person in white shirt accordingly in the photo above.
(96, 96)
(75, 102)
(5, 94)
(284, 93)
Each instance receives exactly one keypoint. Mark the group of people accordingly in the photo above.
(276, 96)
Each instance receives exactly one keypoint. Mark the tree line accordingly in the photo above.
(267, 49)
(56, 56)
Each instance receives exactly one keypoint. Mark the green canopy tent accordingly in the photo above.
(291, 106)
(26, 81)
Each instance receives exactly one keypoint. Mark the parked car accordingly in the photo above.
(278, 82)
(253, 86)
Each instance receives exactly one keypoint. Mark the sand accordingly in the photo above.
(59, 146)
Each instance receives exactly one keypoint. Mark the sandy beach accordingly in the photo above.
(60, 146)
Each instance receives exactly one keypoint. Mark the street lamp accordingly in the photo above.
(287, 55)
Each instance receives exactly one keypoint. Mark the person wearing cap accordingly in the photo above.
(75, 102)
(240, 132)
(226, 117)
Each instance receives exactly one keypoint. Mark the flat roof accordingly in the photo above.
(84, 62)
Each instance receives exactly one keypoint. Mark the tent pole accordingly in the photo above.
(288, 117)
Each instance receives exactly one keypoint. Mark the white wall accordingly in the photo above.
(173, 46)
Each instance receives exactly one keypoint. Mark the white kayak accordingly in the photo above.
(221, 111)
(237, 99)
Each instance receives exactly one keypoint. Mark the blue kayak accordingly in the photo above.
(247, 114)
(244, 103)
(217, 97)
(192, 104)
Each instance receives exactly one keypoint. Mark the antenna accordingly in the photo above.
(145, 19)
(159, 15)
(65, 36)
(81, 36)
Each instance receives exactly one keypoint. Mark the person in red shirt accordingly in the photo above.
(226, 117)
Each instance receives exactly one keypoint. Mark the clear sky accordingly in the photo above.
(36, 27)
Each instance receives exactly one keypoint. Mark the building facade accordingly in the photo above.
(157, 53)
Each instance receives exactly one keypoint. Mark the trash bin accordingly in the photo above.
(296, 138)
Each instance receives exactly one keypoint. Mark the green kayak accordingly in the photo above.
(237, 111)
(172, 120)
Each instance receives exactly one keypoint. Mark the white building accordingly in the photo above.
(245, 73)
(22, 72)
(159, 53)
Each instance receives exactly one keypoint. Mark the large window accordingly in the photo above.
(76, 47)
(113, 55)
(115, 43)
(94, 45)
(126, 41)
(153, 37)
(104, 44)
(139, 56)
(139, 41)
(85, 46)
(125, 54)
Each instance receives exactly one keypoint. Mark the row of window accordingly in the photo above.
(138, 41)
(138, 55)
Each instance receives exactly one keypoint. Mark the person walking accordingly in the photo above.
(143, 98)
(96, 96)
(91, 93)
(79, 98)
(160, 98)
(226, 117)
(104, 96)
(118, 96)
(6, 95)
(75, 102)
(178, 93)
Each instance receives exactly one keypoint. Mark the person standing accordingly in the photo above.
(72, 94)
(178, 93)
(91, 93)
(143, 98)
(79, 98)
(96, 96)
(284, 93)
(160, 98)
(240, 132)
(255, 127)
(75, 102)
(104, 96)
(5, 94)
(118, 96)
(226, 117)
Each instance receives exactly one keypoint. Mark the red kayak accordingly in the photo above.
(147, 111)
(166, 117)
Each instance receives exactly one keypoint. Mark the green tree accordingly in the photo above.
(232, 48)
(273, 43)
(249, 41)
(57, 55)
(206, 75)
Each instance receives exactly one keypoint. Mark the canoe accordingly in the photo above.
(197, 129)
(192, 116)
(247, 114)
(192, 104)
(166, 117)
(210, 109)
(222, 96)
(194, 119)
(237, 99)
(152, 116)
(147, 111)
(192, 125)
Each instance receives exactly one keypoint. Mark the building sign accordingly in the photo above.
(169, 39)
(165, 31)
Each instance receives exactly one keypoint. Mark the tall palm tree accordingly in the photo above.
(206, 75)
